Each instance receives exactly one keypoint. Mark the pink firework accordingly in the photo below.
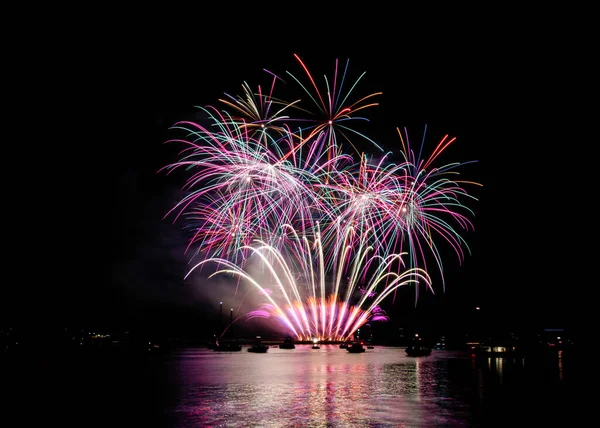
(269, 183)
(311, 302)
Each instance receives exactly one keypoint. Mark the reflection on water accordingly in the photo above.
(331, 387)
(560, 365)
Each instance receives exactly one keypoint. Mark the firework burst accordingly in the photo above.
(333, 236)
(307, 298)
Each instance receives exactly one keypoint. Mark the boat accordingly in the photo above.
(315, 346)
(369, 346)
(417, 348)
(355, 348)
(418, 351)
(259, 348)
(288, 343)
(344, 345)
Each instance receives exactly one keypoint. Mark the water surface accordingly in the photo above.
(302, 387)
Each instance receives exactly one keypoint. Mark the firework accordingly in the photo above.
(335, 108)
(239, 188)
(270, 183)
(307, 298)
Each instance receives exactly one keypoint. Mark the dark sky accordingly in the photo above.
(504, 98)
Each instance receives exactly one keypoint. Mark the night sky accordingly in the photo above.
(505, 99)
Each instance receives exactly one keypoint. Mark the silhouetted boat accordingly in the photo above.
(418, 351)
(370, 347)
(417, 348)
(344, 345)
(315, 346)
(288, 343)
(356, 348)
(259, 347)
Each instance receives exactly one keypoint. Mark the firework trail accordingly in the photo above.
(334, 109)
(432, 201)
(315, 304)
(269, 182)
(241, 189)
(260, 112)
